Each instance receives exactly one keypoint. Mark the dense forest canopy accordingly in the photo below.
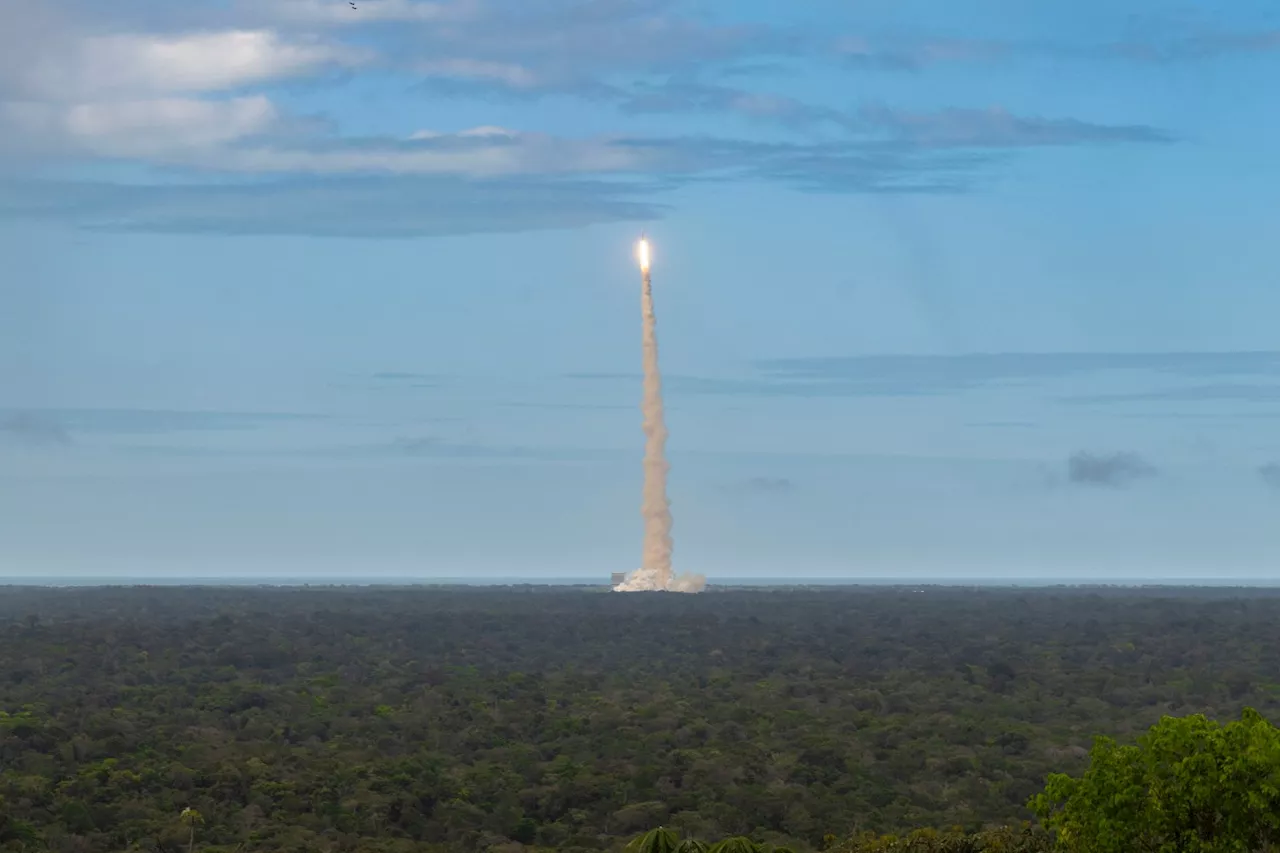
(474, 719)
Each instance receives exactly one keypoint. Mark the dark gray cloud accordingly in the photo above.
(393, 379)
(998, 128)
(419, 446)
(1270, 474)
(33, 429)
(1107, 469)
(768, 485)
(949, 128)
(403, 376)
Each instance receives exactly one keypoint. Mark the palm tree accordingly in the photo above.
(693, 845)
(660, 840)
(737, 844)
(663, 840)
(190, 817)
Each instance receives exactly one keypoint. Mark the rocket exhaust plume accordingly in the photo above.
(655, 571)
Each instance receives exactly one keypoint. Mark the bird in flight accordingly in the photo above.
(351, 4)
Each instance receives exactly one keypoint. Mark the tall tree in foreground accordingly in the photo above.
(1188, 786)
(190, 818)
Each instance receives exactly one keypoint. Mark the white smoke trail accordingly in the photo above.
(656, 508)
(655, 571)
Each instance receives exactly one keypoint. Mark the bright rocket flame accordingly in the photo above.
(642, 254)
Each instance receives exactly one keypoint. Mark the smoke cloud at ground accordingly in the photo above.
(655, 572)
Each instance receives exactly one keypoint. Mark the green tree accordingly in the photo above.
(1188, 786)
(16, 833)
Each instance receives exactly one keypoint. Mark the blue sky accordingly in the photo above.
(979, 290)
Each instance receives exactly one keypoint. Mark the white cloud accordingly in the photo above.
(163, 128)
(482, 152)
(507, 73)
(137, 65)
(483, 131)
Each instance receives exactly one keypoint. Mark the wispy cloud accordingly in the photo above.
(459, 185)
(693, 96)
(248, 135)
(948, 128)
(767, 485)
(582, 48)
(58, 425)
(913, 375)
(33, 429)
(330, 207)
(1238, 391)
(913, 53)
(1270, 474)
(1003, 424)
(998, 128)
(1166, 44)
(1107, 469)
(414, 379)
(1203, 45)
(435, 447)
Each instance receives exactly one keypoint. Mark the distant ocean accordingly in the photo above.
(366, 581)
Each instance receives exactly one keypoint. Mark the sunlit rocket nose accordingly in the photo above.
(642, 254)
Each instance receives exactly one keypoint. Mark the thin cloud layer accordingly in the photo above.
(56, 426)
(329, 207)
(915, 375)
(33, 429)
